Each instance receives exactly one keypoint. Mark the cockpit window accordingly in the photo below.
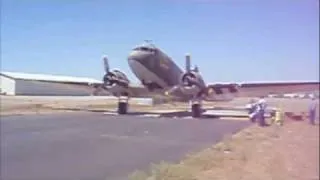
(147, 46)
(143, 48)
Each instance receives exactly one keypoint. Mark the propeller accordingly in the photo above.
(196, 69)
(188, 63)
(107, 78)
(190, 80)
(98, 88)
(106, 64)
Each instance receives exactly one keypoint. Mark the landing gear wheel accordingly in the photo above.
(122, 107)
(196, 110)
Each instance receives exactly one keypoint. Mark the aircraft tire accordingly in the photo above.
(196, 110)
(122, 108)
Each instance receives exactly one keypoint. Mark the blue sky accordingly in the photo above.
(230, 40)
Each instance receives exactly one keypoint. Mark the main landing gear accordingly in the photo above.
(123, 102)
(196, 109)
(196, 106)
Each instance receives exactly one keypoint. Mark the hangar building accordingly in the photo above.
(14, 83)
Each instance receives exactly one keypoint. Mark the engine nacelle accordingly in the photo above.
(116, 82)
(191, 83)
(223, 89)
(222, 92)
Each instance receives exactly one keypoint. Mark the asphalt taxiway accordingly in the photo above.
(96, 146)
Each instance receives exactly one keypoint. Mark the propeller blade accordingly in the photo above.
(172, 90)
(196, 69)
(106, 64)
(188, 62)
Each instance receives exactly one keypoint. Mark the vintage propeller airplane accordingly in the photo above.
(159, 74)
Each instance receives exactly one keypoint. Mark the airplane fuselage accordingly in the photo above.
(154, 67)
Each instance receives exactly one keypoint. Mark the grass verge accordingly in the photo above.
(254, 153)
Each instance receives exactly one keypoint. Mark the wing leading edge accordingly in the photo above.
(265, 88)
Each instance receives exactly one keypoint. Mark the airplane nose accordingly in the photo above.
(139, 56)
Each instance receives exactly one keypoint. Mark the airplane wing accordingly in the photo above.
(132, 90)
(227, 91)
(116, 83)
(266, 88)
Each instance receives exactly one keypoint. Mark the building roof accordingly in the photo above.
(48, 77)
(268, 82)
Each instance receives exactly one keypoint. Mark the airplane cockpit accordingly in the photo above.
(146, 47)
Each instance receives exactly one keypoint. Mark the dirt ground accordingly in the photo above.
(288, 152)
(292, 153)
(21, 105)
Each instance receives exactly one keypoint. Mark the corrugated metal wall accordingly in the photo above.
(7, 85)
(26, 87)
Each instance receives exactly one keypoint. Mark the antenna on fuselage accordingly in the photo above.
(149, 43)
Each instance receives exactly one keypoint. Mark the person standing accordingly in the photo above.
(312, 111)
(262, 105)
(252, 108)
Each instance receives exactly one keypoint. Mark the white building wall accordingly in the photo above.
(39, 88)
(7, 85)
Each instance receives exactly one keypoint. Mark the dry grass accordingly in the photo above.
(24, 109)
(61, 107)
(13, 105)
(289, 152)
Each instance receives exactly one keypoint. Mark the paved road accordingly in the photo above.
(93, 146)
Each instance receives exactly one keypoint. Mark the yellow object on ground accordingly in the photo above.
(278, 117)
